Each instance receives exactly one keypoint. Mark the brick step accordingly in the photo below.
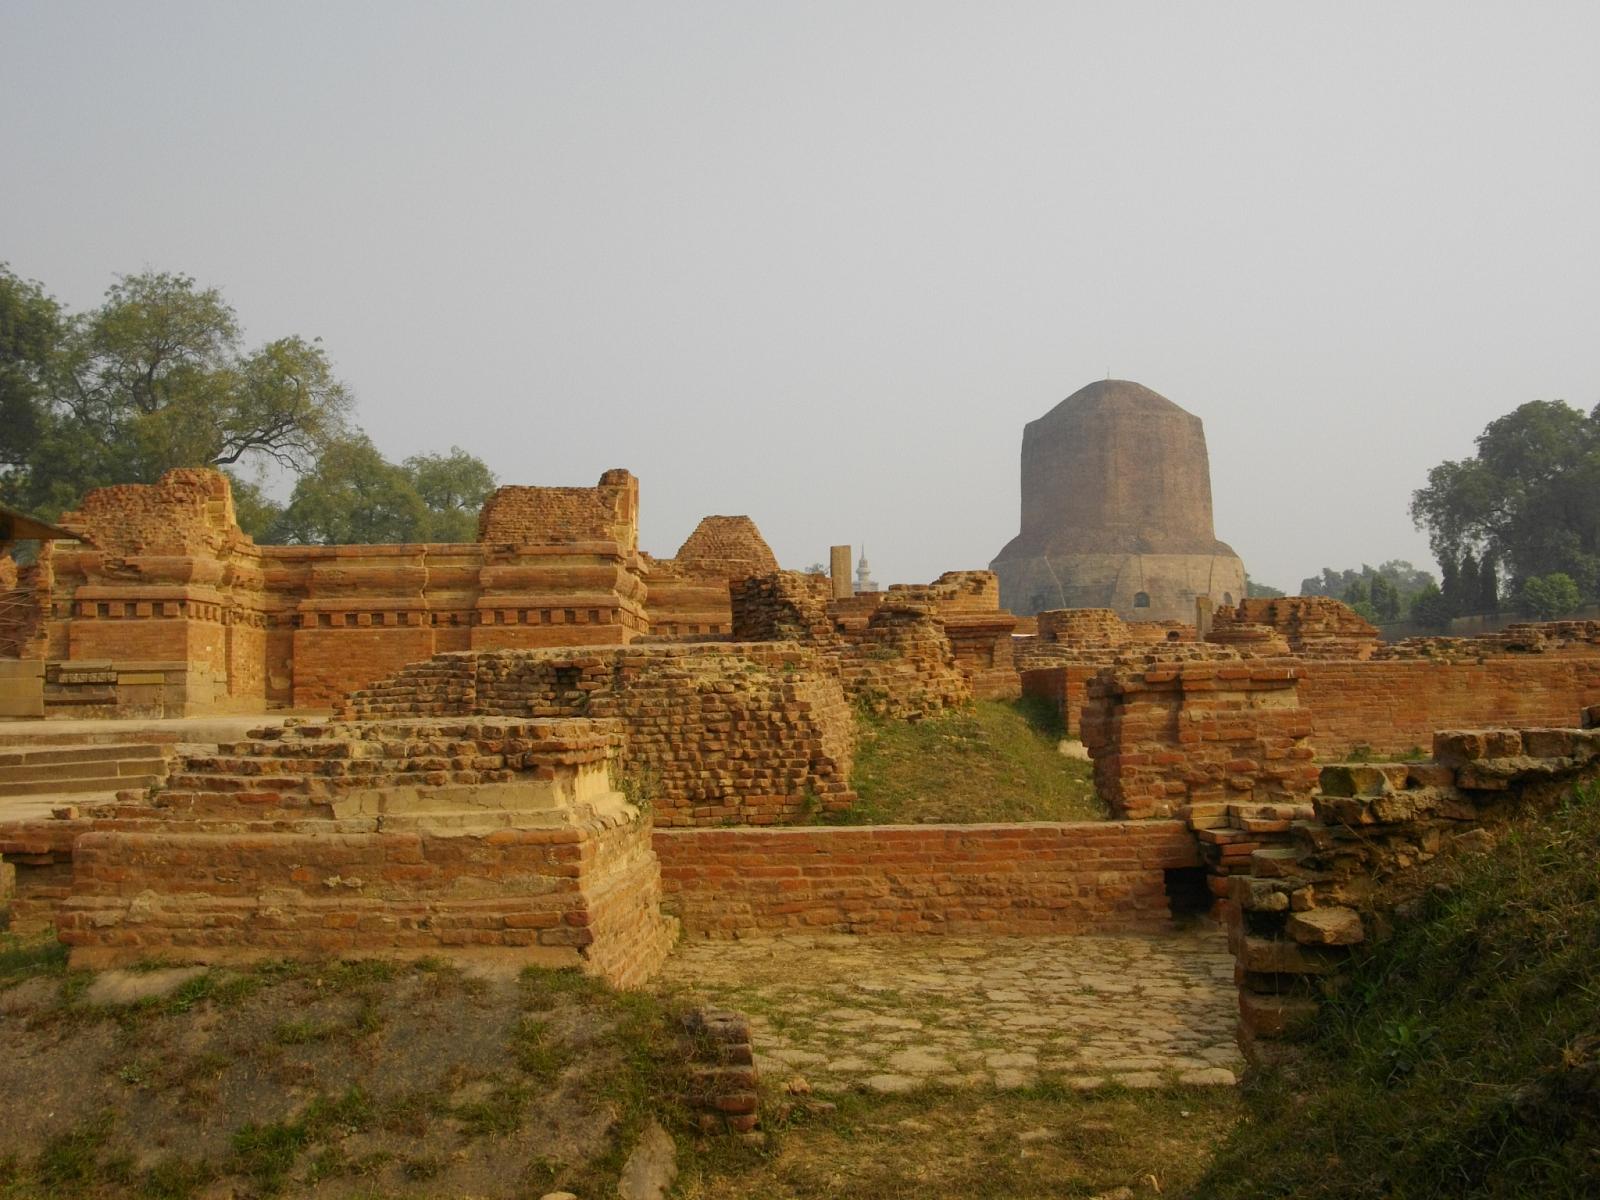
(69, 785)
(219, 781)
(230, 801)
(111, 769)
(79, 754)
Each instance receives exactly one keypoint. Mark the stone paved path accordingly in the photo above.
(890, 1014)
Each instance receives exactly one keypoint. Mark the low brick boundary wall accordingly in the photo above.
(1084, 877)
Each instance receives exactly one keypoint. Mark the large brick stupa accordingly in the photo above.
(1116, 511)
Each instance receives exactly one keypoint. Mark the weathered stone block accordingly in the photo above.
(1326, 927)
(1279, 1016)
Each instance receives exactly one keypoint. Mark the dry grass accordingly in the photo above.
(324, 1079)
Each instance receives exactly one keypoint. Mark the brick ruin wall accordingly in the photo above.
(894, 655)
(1392, 707)
(168, 578)
(1321, 887)
(749, 734)
(475, 837)
(689, 593)
(523, 516)
(952, 879)
(1388, 698)
(1179, 734)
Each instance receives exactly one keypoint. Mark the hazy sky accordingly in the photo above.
(819, 263)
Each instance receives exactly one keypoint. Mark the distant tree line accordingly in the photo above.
(158, 376)
(1383, 593)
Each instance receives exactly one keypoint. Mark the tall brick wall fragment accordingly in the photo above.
(1177, 734)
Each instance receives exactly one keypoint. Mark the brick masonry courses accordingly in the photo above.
(1303, 901)
(1176, 734)
(167, 576)
(752, 734)
(893, 655)
(472, 838)
(1035, 878)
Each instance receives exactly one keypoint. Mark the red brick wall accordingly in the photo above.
(1075, 878)
(1393, 706)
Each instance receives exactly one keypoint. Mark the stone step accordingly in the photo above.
(189, 781)
(79, 754)
(69, 785)
(44, 773)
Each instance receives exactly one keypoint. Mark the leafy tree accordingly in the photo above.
(1488, 587)
(1526, 500)
(1429, 607)
(1546, 597)
(32, 330)
(453, 487)
(1385, 599)
(354, 496)
(156, 377)
(258, 514)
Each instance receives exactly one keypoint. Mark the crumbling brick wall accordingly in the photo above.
(898, 661)
(548, 516)
(749, 734)
(980, 631)
(1315, 627)
(1089, 877)
(1176, 734)
(465, 837)
(1304, 902)
(785, 606)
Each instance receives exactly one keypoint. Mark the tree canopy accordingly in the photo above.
(1527, 501)
(156, 377)
(159, 376)
(1380, 593)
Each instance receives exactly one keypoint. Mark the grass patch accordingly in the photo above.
(28, 957)
(301, 1033)
(1461, 1057)
(539, 1053)
(268, 1153)
(995, 761)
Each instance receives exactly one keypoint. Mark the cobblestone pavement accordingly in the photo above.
(890, 1014)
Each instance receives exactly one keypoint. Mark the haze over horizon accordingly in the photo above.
(820, 264)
